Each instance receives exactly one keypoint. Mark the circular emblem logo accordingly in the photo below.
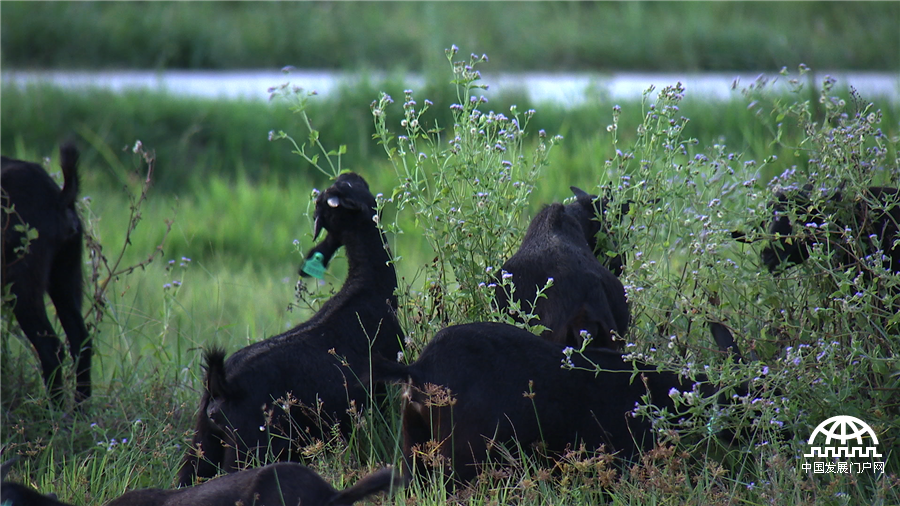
(839, 433)
(843, 428)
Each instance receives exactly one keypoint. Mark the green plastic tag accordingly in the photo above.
(314, 266)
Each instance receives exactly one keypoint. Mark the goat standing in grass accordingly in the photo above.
(318, 364)
(492, 381)
(48, 263)
(584, 295)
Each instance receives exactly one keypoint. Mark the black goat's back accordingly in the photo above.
(17, 494)
(501, 382)
(585, 295)
(274, 484)
(37, 201)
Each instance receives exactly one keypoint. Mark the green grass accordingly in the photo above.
(593, 36)
(238, 228)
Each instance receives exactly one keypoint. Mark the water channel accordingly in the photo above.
(568, 89)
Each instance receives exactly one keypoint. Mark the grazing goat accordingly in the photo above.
(317, 366)
(584, 294)
(49, 263)
(874, 216)
(284, 483)
(494, 381)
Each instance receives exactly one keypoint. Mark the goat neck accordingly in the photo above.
(369, 263)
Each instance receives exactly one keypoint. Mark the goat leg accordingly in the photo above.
(65, 290)
(32, 317)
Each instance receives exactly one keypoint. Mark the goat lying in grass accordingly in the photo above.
(48, 263)
(278, 484)
(872, 219)
(315, 367)
(17, 494)
(494, 381)
(584, 295)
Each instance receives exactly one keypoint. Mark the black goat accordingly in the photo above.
(585, 295)
(494, 381)
(284, 483)
(17, 494)
(875, 214)
(50, 263)
(318, 363)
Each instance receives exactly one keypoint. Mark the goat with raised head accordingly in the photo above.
(584, 295)
(283, 483)
(492, 381)
(318, 364)
(873, 219)
(49, 263)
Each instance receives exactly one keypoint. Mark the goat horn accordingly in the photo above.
(318, 227)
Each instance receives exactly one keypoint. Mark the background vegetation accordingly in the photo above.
(238, 205)
(596, 36)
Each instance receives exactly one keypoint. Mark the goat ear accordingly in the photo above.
(216, 383)
(579, 192)
(4, 468)
(725, 341)
(740, 237)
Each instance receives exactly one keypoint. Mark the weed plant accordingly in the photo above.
(468, 187)
(819, 340)
(684, 270)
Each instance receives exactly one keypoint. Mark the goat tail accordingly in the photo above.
(383, 480)
(68, 161)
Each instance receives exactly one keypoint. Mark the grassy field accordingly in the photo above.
(679, 36)
(227, 275)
